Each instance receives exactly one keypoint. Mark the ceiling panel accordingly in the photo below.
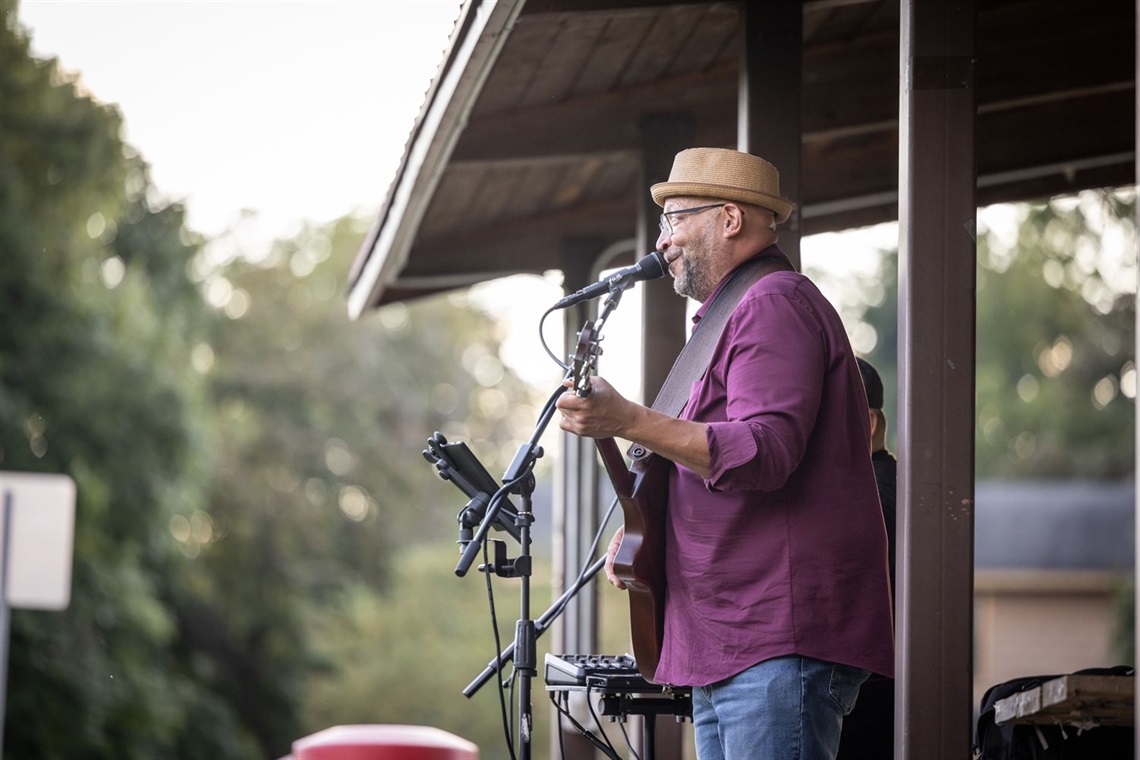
(551, 144)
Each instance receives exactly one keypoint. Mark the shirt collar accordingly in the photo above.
(771, 251)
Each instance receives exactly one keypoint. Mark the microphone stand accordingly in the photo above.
(519, 479)
(541, 626)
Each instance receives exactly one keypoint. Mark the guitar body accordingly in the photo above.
(640, 560)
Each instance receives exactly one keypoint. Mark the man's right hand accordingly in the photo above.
(611, 552)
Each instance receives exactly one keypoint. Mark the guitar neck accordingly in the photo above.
(614, 462)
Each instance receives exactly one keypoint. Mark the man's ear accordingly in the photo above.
(733, 220)
(874, 422)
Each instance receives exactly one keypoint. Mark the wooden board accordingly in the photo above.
(1078, 700)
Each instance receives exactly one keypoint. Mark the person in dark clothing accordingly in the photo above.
(868, 732)
(882, 460)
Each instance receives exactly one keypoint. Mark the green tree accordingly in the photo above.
(1056, 326)
(244, 455)
(94, 382)
(1056, 375)
(403, 661)
(320, 485)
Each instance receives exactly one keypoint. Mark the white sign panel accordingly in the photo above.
(42, 522)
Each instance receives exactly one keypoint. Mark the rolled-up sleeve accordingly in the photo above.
(769, 385)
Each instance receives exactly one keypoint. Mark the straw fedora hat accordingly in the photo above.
(725, 175)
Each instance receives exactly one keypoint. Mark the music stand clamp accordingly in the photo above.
(489, 507)
(456, 463)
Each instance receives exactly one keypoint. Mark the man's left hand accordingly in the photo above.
(602, 414)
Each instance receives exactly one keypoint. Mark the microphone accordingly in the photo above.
(649, 268)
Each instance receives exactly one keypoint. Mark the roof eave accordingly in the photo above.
(481, 32)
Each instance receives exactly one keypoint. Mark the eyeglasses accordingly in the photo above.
(669, 219)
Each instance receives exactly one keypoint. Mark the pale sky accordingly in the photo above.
(296, 110)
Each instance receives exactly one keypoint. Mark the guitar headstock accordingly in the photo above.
(584, 363)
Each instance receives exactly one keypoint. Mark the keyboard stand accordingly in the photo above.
(624, 705)
(621, 689)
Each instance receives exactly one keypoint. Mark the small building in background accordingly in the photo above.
(1053, 569)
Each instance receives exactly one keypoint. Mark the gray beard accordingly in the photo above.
(693, 281)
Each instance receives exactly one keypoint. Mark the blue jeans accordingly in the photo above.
(787, 708)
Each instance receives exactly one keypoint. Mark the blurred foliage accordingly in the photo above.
(319, 482)
(1056, 379)
(396, 660)
(1056, 371)
(95, 383)
(245, 457)
(393, 659)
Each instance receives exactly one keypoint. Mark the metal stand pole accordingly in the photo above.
(526, 659)
(5, 611)
(520, 476)
(541, 626)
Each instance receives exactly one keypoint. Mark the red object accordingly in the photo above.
(369, 742)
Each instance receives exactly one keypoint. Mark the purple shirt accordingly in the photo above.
(782, 550)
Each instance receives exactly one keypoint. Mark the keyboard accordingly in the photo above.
(603, 672)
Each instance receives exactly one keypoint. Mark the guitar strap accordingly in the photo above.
(694, 358)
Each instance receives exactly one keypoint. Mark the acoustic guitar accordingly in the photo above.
(641, 489)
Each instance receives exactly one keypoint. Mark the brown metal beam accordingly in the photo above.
(1136, 349)
(937, 291)
(663, 312)
(769, 105)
